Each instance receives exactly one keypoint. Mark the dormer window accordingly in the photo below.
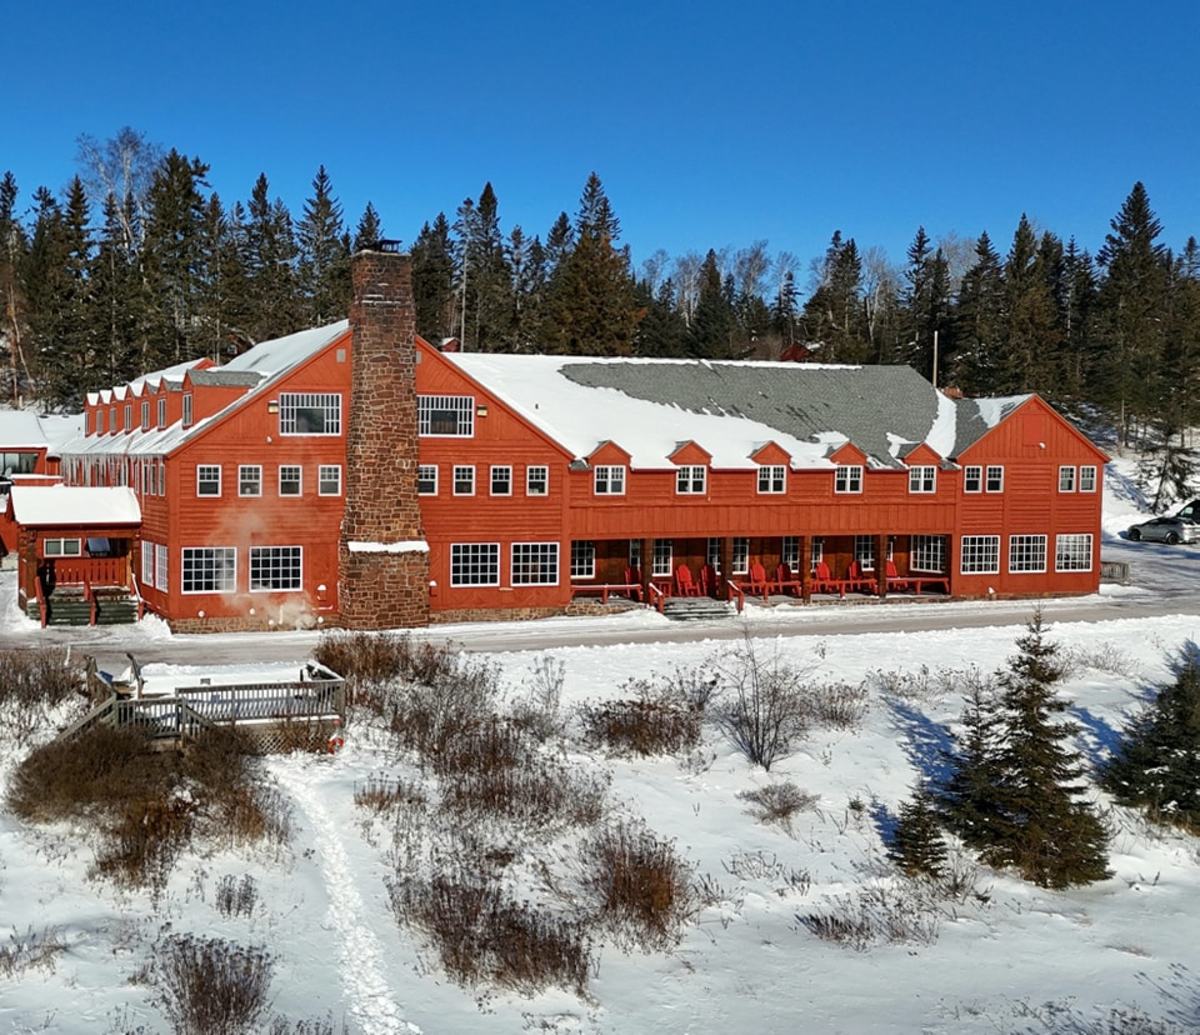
(187, 410)
(128, 425)
(848, 478)
(691, 480)
(146, 415)
(609, 480)
(922, 479)
(162, 413)
(772, 479)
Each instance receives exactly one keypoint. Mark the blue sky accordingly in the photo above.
(710, 124)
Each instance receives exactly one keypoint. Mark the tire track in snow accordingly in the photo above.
(360, 968)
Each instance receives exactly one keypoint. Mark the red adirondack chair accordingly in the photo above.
(823, 580)
(633, 577)
(685, 585)
(786, 580)
(894, 579)
(708, 580)
(857, 579)
(758, 580)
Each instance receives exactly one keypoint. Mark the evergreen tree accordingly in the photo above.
(1157, 765)
(117, 299)
(12, 298)
(274, 306)
(783, 310)
(559, 242)
(489, 301)
(433, 280)
(526, 260)
(917, 845)
(832, 316)
(710, 335)
(67, 358)
(369, 230)
(1031, 338)
(926, 304)
(969, 797)
(324, 259)
(979, 320)
(1077, 318)
(661, 331)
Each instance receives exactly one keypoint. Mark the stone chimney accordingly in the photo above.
(383, 561)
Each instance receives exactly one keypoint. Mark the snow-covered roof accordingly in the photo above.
(279, 354)
(648, 406)
(20, 429)
(74, 505)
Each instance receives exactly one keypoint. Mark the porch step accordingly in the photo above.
(73, 610)
(687, 608)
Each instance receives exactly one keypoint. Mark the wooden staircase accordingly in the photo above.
(73, 605)
(684, 609)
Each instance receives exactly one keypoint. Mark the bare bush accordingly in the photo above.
(889, 915)
(1104, 657)
(30, 950)
(650, 725)
(761, 704)
(643, 890)
(540, 710)
(838, 705)
(382, 795)
(765, 866)
(480, 934)
(209, 986)
(236, 897)
(281, 1025)
(925, 684)
(38, 676)
(694, 686)
(778, 802)
(426, 716)
(370, 660)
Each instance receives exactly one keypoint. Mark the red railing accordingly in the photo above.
(94, 571)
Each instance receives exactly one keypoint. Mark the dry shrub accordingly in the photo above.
(209, 986)
(236, 897)
(425, 716)
(540, 709)
(281, 1025)
(839, 705)
(778, 802)
(643, 889)
(761, 704)
(1104, 657)
(483, 935)
(369, 661)
(764, 866)
(381, 794)
(30, 951)
(644, 726)
(879, 915)
(38, 676)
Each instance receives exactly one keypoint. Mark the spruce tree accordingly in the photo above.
(1157, 766)
(273, 301)
(117, 298)
(917, 845)
(433, 280)
(1030, 339)
(926, 304)
(369, 230)
(12, 299)
(783, 310)
(832, 315)
(324, 260)
(661, 331)
(489, 301)
(969, 798)
(979, 321)
(711, 333)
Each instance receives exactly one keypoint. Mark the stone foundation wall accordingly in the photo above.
(577, 608)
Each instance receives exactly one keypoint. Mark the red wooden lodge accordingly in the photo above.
(355, 475)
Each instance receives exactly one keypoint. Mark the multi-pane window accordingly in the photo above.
(995, 478)
(310, 413)
(160, 567)
(772, 479)
(740, 561)
(1073, 552)
(147, 563)
(146, 415)
(208, 480)
(446, 416)
(1026, 553)
(789, 552)
(276, 568)
(209, 569)
(583, 559)
(609, 480)
(1066, 479)
(329, 480)
(250, 480)
(475, 564)
(635, 554)
(864, 551)
(162, 413)
(1087, 479)
(427, 479)
(187, 411)
(99, 422)
(922, 479)
(972, 479)
(534, 564)
(980, 555)
(848, 478)
(291, 480)
(663, 555)
(501, 480)
(128, 425)
(61, 547)
(816, 552)
(928, 553)
(691, 479)
(464, 480)
(537, 481)
(713, 554)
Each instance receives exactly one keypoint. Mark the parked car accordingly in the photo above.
(1180, 527)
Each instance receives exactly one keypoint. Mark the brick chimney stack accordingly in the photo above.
(383, 563)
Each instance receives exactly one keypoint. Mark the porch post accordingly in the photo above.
(804, 545)
(881, 563)
(647, 567)
(951, 562)
(725, 555)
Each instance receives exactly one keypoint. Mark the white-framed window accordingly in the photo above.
(1026, 554)
(160, 567)
(972, 478)
(427, 479)
(1087, 478)
(609, 480)
(713, 554)
(112, 418)
(446, 416)
(848, 478)
(310, 413)
(162, 477)
(691, 480)
(275, 569)
(583, 559)
(61, 548)
(162, 413)
(537, 480)
(475, 564)
(187, 410)
(816, 552)
(740, 560)
(1073, 552)
(147, 564)
(250, 479)
(994, 481)
(149, 476)
(980, 555)
(635, 554)
(291, 480)
(922, 479)
(534, 564)
(208, 479)
(209, 569)
(928, 554)
(772, 479)
(1066, 478)
(329, 480)
(789, 552)
(464, 480)
(663, 556)
(145, 414)
(99, 422)
(864, 551)
(128, 425)
(501, 484)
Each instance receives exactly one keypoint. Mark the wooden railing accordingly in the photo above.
(657, 597)
(735, 593)
(99, 571)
